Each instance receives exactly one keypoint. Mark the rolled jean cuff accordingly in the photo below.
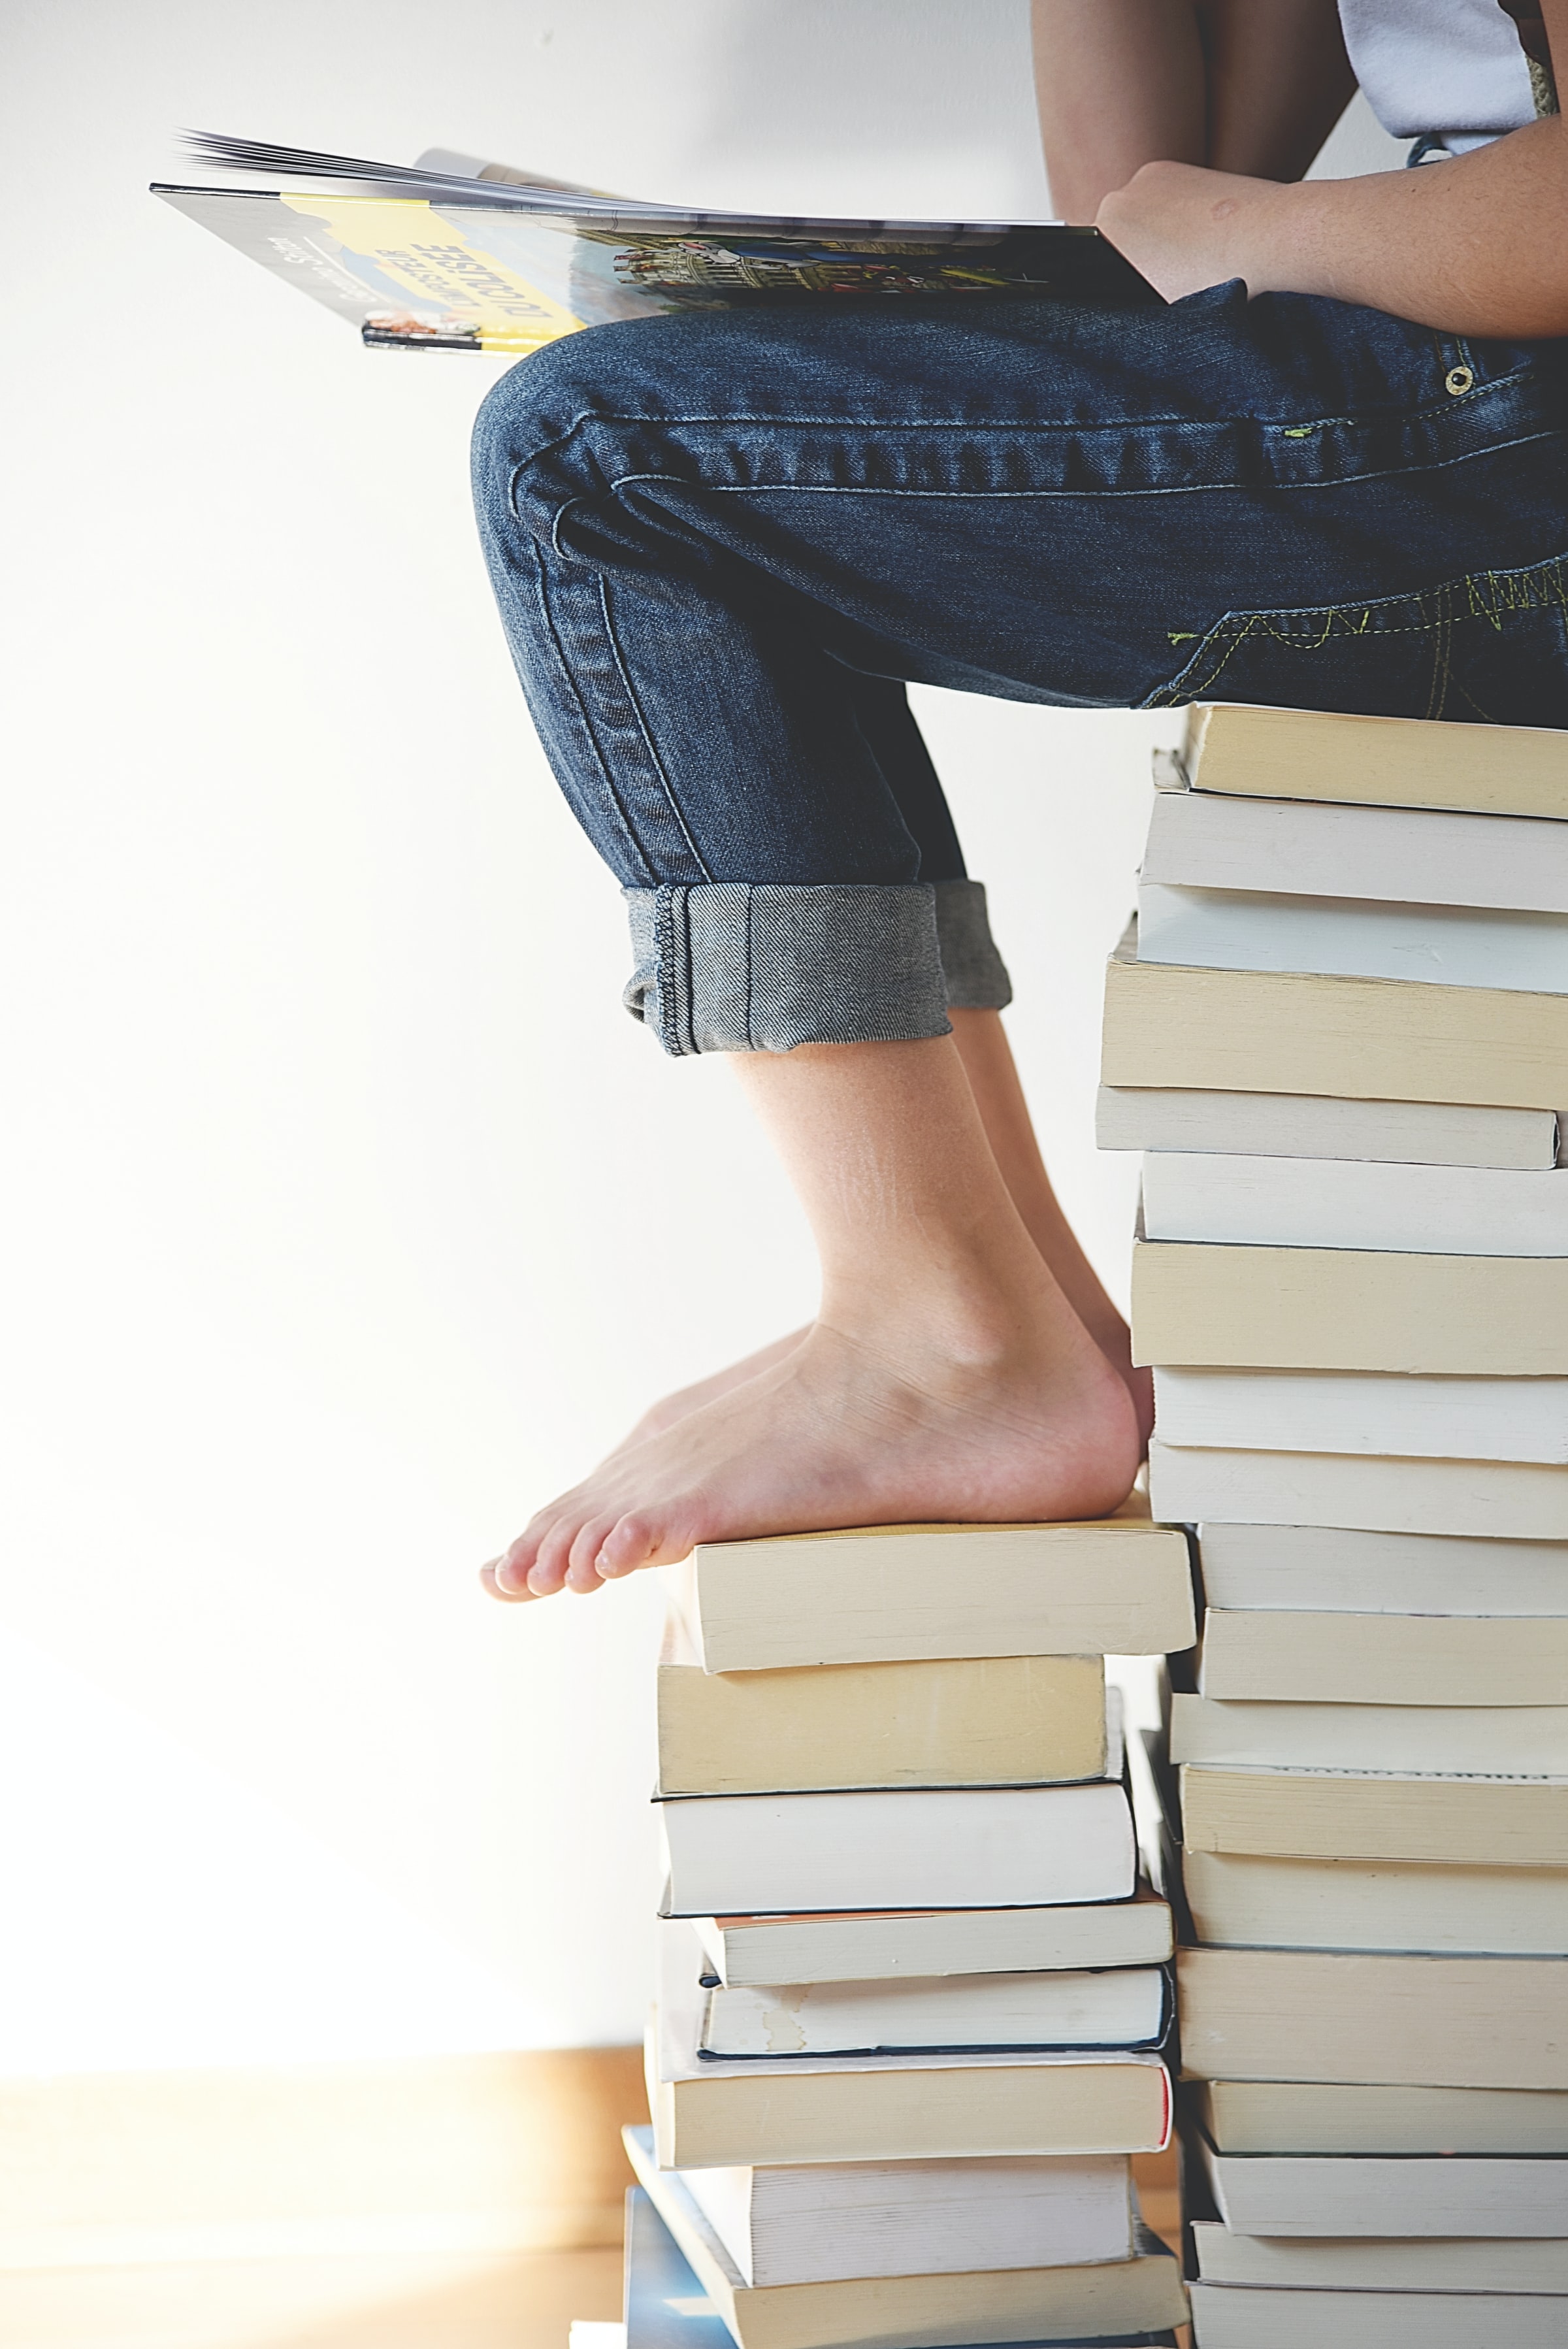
(732, 966)
(735, 967)
(973, 972)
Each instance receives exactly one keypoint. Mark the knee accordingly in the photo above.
(546, 434)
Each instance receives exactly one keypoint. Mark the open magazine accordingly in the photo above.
(451, 253)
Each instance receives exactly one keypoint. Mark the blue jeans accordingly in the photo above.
(722, 542)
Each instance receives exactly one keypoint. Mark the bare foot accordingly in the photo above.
(850, 1428)
(672, 1408)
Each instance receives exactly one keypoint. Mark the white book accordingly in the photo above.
(966, 1847)
(1315, 848)
(1367, 2194)
(1498, 2264)
(1386, 1412)
(1506, 1500)
(1240, 2316)
(1345, 1571)
(1111, 2303)
(1126, 2007)
(1322, 1126)
(1511, 1740)
(1252, 1900)
(1346, 938)
(1341, 1203)
(750, 1950)
(830, 2221)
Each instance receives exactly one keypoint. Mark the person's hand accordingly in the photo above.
(1185, 227)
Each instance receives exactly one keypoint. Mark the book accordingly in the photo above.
(1308, 1125)
(1507, 1739)
(1118, 1586)
(1237, 2316)
(982, 1720)
(666, 2306)
(1398, 856)
(453, 253)
(1272, 1656)
(1417, 763)
(1313, 1202)
(1351, 2016)
(948, 1848)
(1440, 1821)
(843, 2220)
(1106, 2301)
(1349, 1310)
(1423, 946)
(1352, 1572)
(829, 2108)
(1312, 2116)
(1123, 2007)
(1505, 1501)
(1500, 2264)
(1258, 1901)
(1369, 2193)
(751, 1950)
(1172, 1024)
(1392, 1417)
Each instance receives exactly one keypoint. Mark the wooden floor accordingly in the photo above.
(519, 2300)
(523, 2300)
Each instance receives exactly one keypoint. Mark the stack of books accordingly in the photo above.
(1341, 1038)
(913, 1989)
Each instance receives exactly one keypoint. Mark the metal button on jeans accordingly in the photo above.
(1458, 380)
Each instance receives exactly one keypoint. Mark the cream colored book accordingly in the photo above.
(1336, 2195)
(1512, 1740)
(1257, 1900)
(1238, 2316)
(1349, 1310)
(1493, 1500)
(846, 2220)
(1343, 1815)
(716, 2116)
(982, 1720)
(1269, 1656)
(1339, 2014)
(1418, 762)
(1345, 1571)
(1319, 2117)
(1172, 1024)
(1140, 2295)
(1119, 1586)
(1122, 2006)
(1317, 1126)
(752, 1951)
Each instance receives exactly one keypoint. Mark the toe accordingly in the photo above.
(634, 1540)
(489, 1575)
(552, 1555)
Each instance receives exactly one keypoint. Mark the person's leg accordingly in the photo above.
(946, 1376)
(994, 1081)
(698, 530)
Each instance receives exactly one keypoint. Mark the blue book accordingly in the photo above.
(667, 2307)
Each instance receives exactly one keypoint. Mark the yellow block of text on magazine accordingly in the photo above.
(427, 254)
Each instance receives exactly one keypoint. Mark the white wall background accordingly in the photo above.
(346, 1216)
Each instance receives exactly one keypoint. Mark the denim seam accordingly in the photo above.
(1171, 490)
(1229, 634)
(567, 672)
(653, 759)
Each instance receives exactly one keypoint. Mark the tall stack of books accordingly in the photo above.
(1341, 1038)
(913, 1992)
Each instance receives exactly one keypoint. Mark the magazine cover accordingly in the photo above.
(455, 255)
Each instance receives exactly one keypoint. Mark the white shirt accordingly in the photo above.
(1449, 70)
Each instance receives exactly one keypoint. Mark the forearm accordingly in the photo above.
(1474, 246)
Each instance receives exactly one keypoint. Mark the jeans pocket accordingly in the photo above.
(1490, 646)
